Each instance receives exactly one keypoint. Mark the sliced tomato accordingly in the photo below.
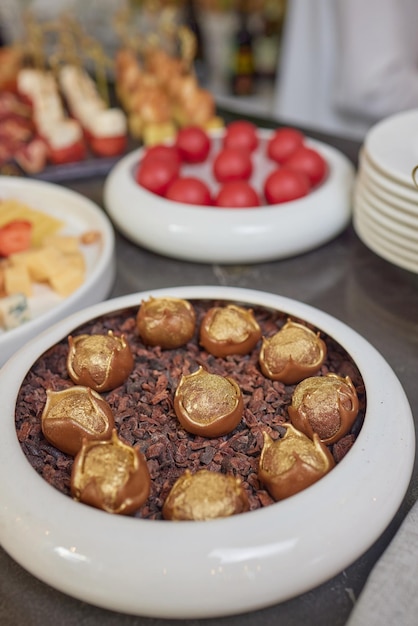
(108, 146)
(70, 154)
(15, 236)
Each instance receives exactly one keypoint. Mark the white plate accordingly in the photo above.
(79, 214)
(220, 567)
(393, 145)
(391, 207)
(214, 235)
(402, 234)
(380, 245)
(408, 195)
(400, 247)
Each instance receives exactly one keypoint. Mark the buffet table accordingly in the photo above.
(343, 278)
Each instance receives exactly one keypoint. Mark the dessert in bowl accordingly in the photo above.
(237, 559)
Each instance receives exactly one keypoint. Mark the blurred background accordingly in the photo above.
(238, 41)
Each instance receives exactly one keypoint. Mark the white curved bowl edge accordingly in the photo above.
(80, 212)
(214, 235)
(222, 567)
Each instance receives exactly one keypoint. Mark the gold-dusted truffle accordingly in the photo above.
(326, 405)
(166, 322)
(292, 354)
(229, 330)
(292, 463)
(101, 362)
(208, 404)
(110, 475)
(74, 414)
(205, 495)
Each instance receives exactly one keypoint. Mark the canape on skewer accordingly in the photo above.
(105, 129)
(160, 94)
(62, 135)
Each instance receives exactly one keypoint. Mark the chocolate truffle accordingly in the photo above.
(292, 463)
(205, 495)
(229, 330)
(208, 404)
(74, 414)
(327, 405)
(292, 354)
(166, 322)
(101, 362)
(110, 475)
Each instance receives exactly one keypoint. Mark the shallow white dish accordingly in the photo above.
(403, 245)
(224, 566)
(401, 233)
(218, 235)
(392, 207)
(393, 145)
(388, 184)
(79, 215)
(374, 239)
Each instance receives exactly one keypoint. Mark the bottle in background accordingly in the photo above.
(191, 20)
(242, 57)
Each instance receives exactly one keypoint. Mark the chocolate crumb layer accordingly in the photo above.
(144, 414)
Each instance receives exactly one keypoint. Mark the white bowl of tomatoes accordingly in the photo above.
(240, 194)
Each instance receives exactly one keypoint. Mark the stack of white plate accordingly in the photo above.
(385, 209)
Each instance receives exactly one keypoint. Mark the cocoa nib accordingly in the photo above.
(144, 415)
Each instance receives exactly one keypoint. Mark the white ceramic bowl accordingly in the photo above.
(79, 215)
(224, 566)
(214, 235)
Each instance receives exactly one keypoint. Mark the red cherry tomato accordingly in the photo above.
(193, 144)
(241, 134)
(284, 184)
(189, 190)
(283, 142)
(162, 151)
(157, 174)
(232, 164)
(237, 194)
(310, 162)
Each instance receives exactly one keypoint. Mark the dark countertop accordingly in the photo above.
(343, 278)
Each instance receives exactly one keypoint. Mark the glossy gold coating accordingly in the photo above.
(166, 322)
(73, 414)
(205, 495)
(292, 354)
(101, 362)
(326, 405)
(208, 404)
(228, 330)
(292, 463)
(110, 475)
